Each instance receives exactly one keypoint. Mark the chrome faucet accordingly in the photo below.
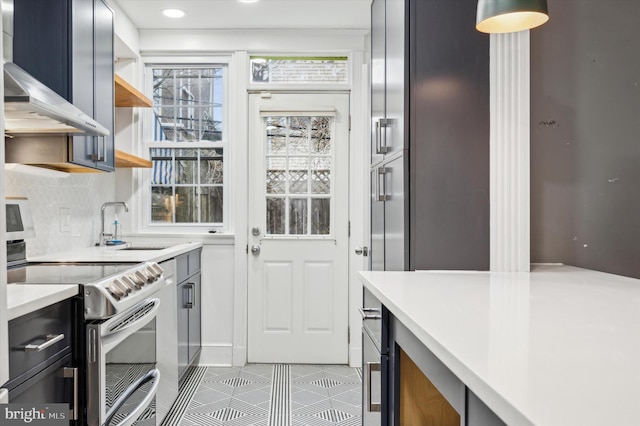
(103, 235)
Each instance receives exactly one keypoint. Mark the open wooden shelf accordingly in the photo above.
(126, 160)
(129, 96)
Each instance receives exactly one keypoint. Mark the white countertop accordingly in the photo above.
(117, 255)
(25, 298)
(557, 346)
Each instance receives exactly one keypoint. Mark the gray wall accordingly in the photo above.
(585, 136)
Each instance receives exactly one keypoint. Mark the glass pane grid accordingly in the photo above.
(298, 175)
(188, 104)
(187, 185)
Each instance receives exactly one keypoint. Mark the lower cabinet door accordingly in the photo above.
(373, 367)
(183, 327)
(195, 311)
(48, 386)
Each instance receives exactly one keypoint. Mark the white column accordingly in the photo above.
(509, 147)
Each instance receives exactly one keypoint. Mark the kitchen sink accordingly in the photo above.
(144, 248)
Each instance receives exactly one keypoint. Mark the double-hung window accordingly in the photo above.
(187, 146)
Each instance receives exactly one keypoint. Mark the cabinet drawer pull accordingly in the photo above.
(370, 313)
(382, 183)
(72, 373)
(372, 407)
(191, 290)
(52, 339)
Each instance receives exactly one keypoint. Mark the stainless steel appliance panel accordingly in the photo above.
(374, 367)
(394, 215)
(122, 376)
(372, 319)
(376, 253)
(378, 78)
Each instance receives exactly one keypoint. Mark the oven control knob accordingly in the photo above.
(126, 289)
(115, 291)
(128, 282)
(149, 275)
(152, 273)
(157, 269)
(140, 278)
(137, 280)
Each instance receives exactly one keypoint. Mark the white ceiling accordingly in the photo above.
(265, 14)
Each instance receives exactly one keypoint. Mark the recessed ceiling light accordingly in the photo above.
(174, 13)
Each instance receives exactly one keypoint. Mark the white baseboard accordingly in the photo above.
(225, 355)
(216, 355)
(355, 356)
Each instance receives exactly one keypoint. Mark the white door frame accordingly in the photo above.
(358, 197)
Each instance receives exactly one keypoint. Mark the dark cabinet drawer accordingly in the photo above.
(38, 336)
(48, 386)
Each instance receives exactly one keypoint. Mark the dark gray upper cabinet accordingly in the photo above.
(387, 78)
(68, 45)
(430, 91)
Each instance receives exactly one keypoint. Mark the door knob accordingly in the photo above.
(255, 250)
(362, 251)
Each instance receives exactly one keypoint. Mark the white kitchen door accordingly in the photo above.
(298, 228)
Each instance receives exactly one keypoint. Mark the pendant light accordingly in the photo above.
(507, 16)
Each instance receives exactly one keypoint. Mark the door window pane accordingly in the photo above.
(321, 175)
(299, 175)
(298, 164)
(320, 216)
(276, 175)
(297, 216)
(276, 216)
(320, 135)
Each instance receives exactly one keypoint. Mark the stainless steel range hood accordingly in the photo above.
(31, 107)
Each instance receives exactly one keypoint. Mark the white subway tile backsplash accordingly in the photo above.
(81, 195)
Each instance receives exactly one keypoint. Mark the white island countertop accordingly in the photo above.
(557, 346)
(118, 254)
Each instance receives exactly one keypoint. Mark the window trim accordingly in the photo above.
(144, 195)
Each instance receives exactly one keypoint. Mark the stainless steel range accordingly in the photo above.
(116, 341)
(108, 289)
(119, 334)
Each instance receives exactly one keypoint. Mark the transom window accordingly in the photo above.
(188, 145)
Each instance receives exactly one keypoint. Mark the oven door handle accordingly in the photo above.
(132, 322)
(135, 413)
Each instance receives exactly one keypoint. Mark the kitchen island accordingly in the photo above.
(557, 346)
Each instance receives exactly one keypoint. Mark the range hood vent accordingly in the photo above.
(30, 107)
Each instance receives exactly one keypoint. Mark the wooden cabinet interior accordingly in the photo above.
(420, 401)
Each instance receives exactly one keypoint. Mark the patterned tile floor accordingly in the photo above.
(268, 395)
